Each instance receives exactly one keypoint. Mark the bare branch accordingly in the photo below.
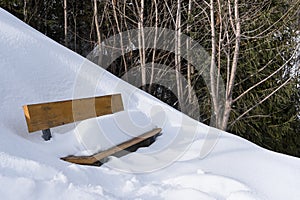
(265, 79)
(263, 100)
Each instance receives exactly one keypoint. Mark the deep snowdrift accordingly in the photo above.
(36, 69)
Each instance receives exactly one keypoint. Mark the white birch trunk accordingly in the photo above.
(66, 22)
(141, 42)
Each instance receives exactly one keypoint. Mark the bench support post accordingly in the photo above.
(46, 134)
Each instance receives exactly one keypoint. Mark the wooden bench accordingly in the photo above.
(44, 116)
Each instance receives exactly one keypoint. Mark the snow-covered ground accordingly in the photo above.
(36, 69)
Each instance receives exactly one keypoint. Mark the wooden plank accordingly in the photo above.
(89, 160)
(47, 115)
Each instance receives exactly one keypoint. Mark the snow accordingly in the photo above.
(36, 69)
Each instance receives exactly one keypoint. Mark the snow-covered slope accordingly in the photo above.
(36, 69)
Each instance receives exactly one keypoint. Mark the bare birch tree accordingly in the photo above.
(97, 23)
(178, 55)
(226, 33)
(188, 46)
(154, 47)
(25, 11)
(141, 41)
(121, 38)
(66, 23)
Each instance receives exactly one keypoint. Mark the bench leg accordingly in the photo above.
(46, 134)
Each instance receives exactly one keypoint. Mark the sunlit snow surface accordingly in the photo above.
(35, 69)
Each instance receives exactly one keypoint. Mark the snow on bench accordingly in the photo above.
(44, 116)
(99, 157)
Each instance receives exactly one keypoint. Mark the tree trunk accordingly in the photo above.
(188, 46)
(65, 23)
(25, 11)
(97, 23)
(154, 46)
(141, 42)
(121, 38)
(213, 91)
(237, 30)
(178, 55)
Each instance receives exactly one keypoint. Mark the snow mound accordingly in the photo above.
(36, 69)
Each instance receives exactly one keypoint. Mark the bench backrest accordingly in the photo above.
(47, 115)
